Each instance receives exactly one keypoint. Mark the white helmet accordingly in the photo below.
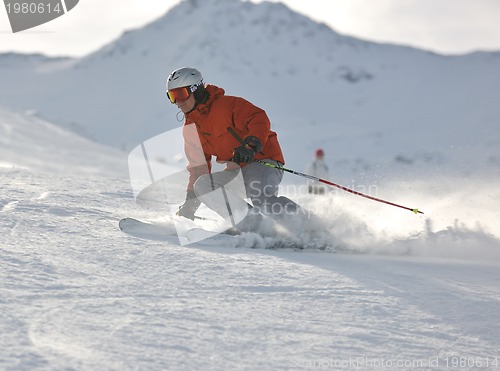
(185, 76)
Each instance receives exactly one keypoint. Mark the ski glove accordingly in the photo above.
(189, 207)
(246, 152)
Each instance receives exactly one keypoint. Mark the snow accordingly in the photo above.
(376, 287)
(78, 293)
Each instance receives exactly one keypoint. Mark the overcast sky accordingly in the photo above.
(445, 26)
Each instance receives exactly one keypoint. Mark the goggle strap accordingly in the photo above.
(194, 87)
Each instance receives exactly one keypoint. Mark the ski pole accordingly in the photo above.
(416, 211)
(239, 139)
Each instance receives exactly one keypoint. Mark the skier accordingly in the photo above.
(236, 132)
(318, 169)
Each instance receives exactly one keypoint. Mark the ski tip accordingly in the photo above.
(417, 211)
(122, 222)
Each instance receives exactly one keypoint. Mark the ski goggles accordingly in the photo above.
(181, 94)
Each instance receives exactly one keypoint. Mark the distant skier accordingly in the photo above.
(319, 169)
(236, 132)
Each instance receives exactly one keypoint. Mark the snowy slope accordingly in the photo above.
(29, 142)
(368, 104)
(77, 293)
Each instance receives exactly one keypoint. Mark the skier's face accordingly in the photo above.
(187, 105)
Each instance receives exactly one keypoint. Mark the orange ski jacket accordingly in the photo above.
(212, 120)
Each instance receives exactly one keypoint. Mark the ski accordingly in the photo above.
(168, 233)
(200, 237)
(149, 230)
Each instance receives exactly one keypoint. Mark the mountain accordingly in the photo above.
(347, 95)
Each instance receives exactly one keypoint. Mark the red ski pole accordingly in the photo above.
(416, 211)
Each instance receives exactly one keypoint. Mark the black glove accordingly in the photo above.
(189, 207)
(246, 152)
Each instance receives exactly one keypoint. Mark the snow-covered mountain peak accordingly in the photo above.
(241, 37)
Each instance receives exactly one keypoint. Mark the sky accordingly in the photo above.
(443, 26)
